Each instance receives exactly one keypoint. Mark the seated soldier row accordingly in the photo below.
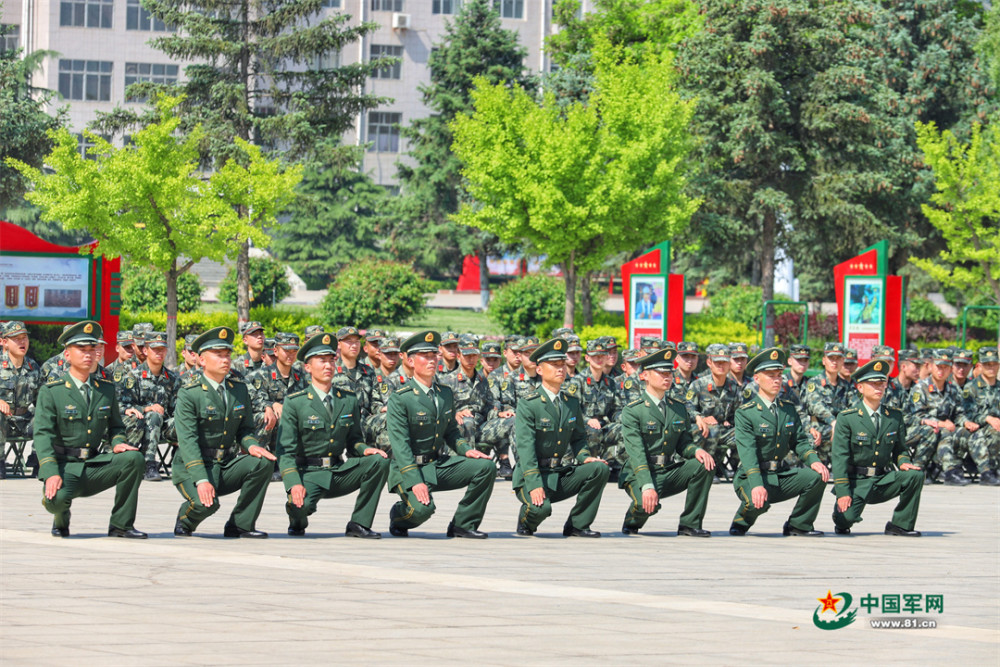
(323, 453)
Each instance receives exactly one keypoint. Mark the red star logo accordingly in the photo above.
(829, 602)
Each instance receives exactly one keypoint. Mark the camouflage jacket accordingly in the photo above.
(243, 365)
(599, 399)
(506, 392)
(443, 371)
(54, 368)
(791, 392)
(983, 400)
(119, 368)
(897, 396)
(471, 393)
(19, 386)
(267, 386)
(705, 399)
(140, 388)
(630, 388)
(679, 389)
(383, 387)
(360, 380)
(928, 402)
(824, 401)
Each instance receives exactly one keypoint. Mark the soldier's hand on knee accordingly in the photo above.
(476, 454)
(537, 496)
(908, 466)
(52, 485)
(705, 458)
(261, 453)
(843, 503)
(816, 436)
(422, 493)
(591, 459)
(124, 447)
(206, 493)
(822, 470)
(594, 424)
(947, 425)
(372, 451)
(758, 496)
(5, 407)
(270, 419)
(132, 412)
(971, 427)
(649, 500)
(155, 407)
(298, 495)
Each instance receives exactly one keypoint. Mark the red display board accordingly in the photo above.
(654, 297)
(43, 284)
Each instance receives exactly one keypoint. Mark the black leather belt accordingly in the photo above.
(213, 454)
(321, 461)
(550, 463)
(773, 466)
(870, 471)
(425, 458)
(81, 453)
(659, 460)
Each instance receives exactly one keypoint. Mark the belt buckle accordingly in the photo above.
(326, 461)
(84, 454)
(219, 455)
(872, 471)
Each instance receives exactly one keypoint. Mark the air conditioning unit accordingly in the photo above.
(400, 21)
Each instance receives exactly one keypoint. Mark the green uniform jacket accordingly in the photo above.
(645, 434)
(540, 433)
(308, 430)
(61, 420)
(856, 444)
(205, 425)
(762, 436)
(415, 428)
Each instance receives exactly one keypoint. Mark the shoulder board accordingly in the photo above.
(532, 396)
(345, 390)
(52, 383)
(848, 411)
(748, 405)
(365, 369)
(404, 389)
(298, 393)
(638, 401)
(238, 379)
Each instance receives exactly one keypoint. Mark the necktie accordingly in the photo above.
(663, 409)
(875, 416)
(86, 393)
(328, 402)
(774, 412)
(222, 394)
(434, 399)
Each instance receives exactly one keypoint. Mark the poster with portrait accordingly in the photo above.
(649, 303)
(864, 314)
(45, 287)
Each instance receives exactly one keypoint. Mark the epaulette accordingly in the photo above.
(638, 401)
(344, 390)
(298, 393)
(532, 396)
(100, 379)
(404, 388)
(53, 382)
(849, 410)
(747, 405)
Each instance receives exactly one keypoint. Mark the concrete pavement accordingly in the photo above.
(651, 599)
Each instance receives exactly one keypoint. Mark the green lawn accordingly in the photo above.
(449, 319)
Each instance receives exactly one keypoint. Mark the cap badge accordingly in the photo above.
(88, 328)
(223, 334)
(429, 338)
(557, 346)
(326, 340)
(774, 354)
(878, 366)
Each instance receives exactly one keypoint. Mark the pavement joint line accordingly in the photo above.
(677, 603)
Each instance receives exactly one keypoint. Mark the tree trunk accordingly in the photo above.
(767, 239)
(243, 282)
(484, 281)
(569, 275)
(585, 301)
(172, 275)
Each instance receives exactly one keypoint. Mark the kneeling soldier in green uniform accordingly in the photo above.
(656, 432)
(317, 426)
(73, 415)
(867, 438)
(548, 425)
(420, 421)
(766, 430)
(214, 420)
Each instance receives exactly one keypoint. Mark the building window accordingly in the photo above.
(383, 131)
(331, 4)
(387, 5)
(391, 190)
(510, 9)
(388, 71)
(85, 80)
(138, 17)
(84, 144)
(445, 6)
(329, 60)
(10, 37)
(165, 75)
(86, 13)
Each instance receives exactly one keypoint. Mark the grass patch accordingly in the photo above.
(449, 319)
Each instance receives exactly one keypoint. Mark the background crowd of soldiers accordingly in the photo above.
(949, 397)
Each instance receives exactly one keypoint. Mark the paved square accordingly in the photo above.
(651, 599)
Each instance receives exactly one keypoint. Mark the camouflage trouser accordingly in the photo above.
(927, 444)
(498, 433)
(606, 443)
(720, 442)
(952, 451)
(265, 438)
(147, 433)
(825, 441)
(18, 426)
(375, 431)
(984, 446)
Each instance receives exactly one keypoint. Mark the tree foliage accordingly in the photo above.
(580, 182)
(372, 293)
(965, 206)
(145, 289)
(268, 283)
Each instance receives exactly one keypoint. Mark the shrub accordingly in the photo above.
(705, 330)
(788, 328)
(601, 318)
(268, 283)
(596, 331)
(924, 310)
(374, 292)
(742, 303)
(521, 305)
(43, 341)
(146, 289)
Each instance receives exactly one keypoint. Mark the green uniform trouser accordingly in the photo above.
(124, 472)
(904, 484)
(367, 477)
(804, 483)
(247, 474)
(585, 481)
(476, 474)
(691, 476)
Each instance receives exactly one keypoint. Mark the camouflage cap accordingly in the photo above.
(250, 327)
(527, 344)
(344, 332)
(909, 354)
(572, 343)
(597, 346)
(962, 356)
(883, 352)
(562, 332)
(650, 343)
(219, 338)
(124, 338)
(987, 355)
(491, 349)
(632, 355)
(874, 371)
(833, 350)
(312, 330)
(139, 331)
(718, 352)
(375, 336)
(769, 359)
(422, 341)
(738, 351)
(320, 344)
(610, 342)
(389, 344)
(13, 328)
(941, 357)
(661, 360)
(850, 356)
(926, 354)
(268, 345)
(286, 340)
(511, 341)
(87, 332)
(687, 347)
(799, 351)
(550, 350)
(668, 345)
(468, 344)
(450, 338)
(188, 340)
(155, 339)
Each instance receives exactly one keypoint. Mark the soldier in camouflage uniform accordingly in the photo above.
(447, 354)
(686, 360)
(20, 378)
(268, 352)
(574, 350)
(711, 402)
(630, 387)
(139, 331)
(147, 398)
(611, 368)
(492, 357)
(937, 413)
(268, 386)
(190, 365)
(126, 353)
(601, 406)
(312, 330)
(352, 375)
(55, 366)
(793, 380)
(389, 377)
(373, 339)
(473, 402)
(850, 364)
(984, 444)
(739, 355)
(826, 395)
(511, 358)
(650, 344)
(253, 358)
(897, 393)
(498, 431)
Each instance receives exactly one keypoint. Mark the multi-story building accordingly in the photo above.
(102, 47)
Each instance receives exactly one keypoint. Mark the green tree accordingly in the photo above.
(334, 221)
(965, 207)
(579, 182)
(373, 292)
(474, 45)
(989, 45)
(264, 72)
(268, 283)
(145, 289)
(148, 201)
